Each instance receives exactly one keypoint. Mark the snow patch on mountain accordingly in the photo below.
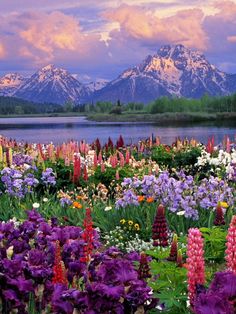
(10, 82)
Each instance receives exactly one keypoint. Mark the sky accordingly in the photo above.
(101, 38)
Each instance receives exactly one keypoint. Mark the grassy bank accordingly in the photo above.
(35, 115)
(162, 117)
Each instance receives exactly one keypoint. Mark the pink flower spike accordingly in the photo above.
(195, 262)
(231, 246)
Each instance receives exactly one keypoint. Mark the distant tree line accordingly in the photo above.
(11, 105)
(205, 104)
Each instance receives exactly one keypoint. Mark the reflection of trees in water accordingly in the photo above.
(69, 125)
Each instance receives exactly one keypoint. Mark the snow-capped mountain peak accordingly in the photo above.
(173, 71)
(53, 84)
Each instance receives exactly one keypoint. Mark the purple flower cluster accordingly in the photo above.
(114, 287)
(27, 257)
(129, 198)
(20, 159)
(65, 201)
(48, 177)
(180, 193)
(220, 297)
(214, 190)
(18, 183)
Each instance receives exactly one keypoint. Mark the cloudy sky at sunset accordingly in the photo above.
(101, 38)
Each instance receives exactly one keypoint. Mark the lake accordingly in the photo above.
(61, 129)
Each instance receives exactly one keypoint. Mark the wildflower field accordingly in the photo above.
(92, 228)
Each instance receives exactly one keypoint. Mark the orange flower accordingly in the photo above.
(79, 197)
(150, 199)
(141, 198)
(77, 205)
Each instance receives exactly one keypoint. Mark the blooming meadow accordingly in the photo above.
(110, 228)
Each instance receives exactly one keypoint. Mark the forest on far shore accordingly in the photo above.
(206, 104)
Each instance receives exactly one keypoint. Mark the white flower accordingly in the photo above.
(36, 205)
(181, 213)
(107, 208)
(45, 199)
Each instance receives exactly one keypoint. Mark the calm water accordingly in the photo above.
(60, 129)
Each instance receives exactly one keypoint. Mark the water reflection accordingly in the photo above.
(60, 129)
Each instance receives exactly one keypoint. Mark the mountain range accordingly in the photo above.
(174, 71)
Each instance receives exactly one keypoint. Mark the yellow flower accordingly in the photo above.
(136, 226)
(130, 222)
(223, 204)
(122, 221)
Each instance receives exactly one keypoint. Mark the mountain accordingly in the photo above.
(174, 71)
(97, 85)
(52, 84)
(10, 82)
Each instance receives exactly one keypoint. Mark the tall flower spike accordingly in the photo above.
(59, 271)
(195, 262)
(219, 216)
(160, 228)
(173, 249)
(88, 237)
(144, 268)
(77, 171)
(231, 246)
(85, 176)
(179, 260)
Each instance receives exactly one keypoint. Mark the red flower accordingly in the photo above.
(88, 237)
(173, 250)
(144, 269)
(76, 173)
(219, 217)
(59, 271)
(160, 228)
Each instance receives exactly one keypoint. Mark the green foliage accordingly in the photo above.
(214, 243)
(109, 175)
(166, 156)
(162, 155)
(205, 104)
(116, 110)
(108, 220)
(170, 287)
(187, 158)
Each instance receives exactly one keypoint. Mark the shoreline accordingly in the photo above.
(164, 118)
(161, 118)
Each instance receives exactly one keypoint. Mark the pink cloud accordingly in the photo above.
(220, 28)
(140, 24)
(48, 32)
(231, 39)
(227, 10)
(34, 39)
(2, 51)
